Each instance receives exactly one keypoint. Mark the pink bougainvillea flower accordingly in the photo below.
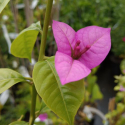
(121, 88)
(124, 71)
(79, 52)
(43, 117)
(123, 39)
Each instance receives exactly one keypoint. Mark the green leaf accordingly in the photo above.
(120, 107)
(120, 94)
(91, 80)
(116, 88)
(3, 4)
(96, 93)
(64, 100)
(23, 45)
(8, 78)
(122, 66)
(94, 70)
(121, 121)
(44, 108)
(19, 123)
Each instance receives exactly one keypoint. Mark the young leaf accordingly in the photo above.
(22, 46)
(3, 4)
(64, 100)
(9, 78)
(19, 123)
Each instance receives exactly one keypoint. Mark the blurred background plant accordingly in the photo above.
(92, 92)
(116, 114)
(97, 12)
(88, 109)
(20, 14)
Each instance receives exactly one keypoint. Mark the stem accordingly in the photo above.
(41, 58)
(20, 118)
(28, 78)
(45, 30)
(33, 105)
(45, 57)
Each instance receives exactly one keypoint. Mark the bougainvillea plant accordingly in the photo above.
(58, 80)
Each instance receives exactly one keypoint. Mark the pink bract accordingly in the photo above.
(43, 117)
(121, 88)
(124, 71)
(123, 39)
(79, 52)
